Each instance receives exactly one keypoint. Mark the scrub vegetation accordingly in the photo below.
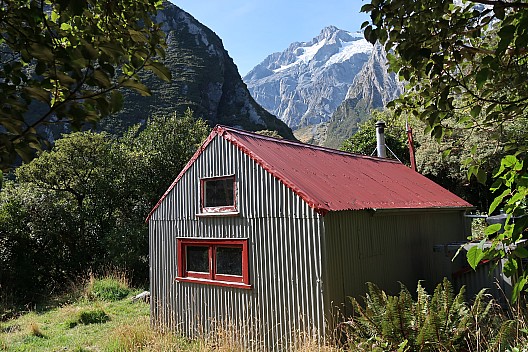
(88, 319)
(80, 205)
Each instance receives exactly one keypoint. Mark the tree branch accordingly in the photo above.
(503, 4)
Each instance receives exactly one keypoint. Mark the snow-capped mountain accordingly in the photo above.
(373, 88)
(305, 84)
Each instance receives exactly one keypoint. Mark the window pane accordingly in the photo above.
(229, 261)
(198, 259)
(219, 193)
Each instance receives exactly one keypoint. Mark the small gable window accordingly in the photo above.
(218, 195)
(221, 262)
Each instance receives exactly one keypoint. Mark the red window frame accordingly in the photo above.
(220, 210)
(212, 277)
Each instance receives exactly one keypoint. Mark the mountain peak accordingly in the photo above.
(332, 33)
(328, 31)
(304, 84)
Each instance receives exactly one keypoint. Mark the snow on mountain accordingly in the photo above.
(305, 84)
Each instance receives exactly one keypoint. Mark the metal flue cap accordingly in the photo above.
(380, 139)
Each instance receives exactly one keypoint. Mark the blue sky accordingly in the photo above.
(253, 29)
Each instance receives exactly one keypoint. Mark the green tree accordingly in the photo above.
(85, 171)
(364, 140)
(82, 205)
(39, 250)
(467, 61)
(63, 61)
(160, 151)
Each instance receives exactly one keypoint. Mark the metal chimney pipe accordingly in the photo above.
(380, 139)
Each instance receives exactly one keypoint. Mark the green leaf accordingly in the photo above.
(475, 111)
(137, 86)
(41, 52)
(498, 200)
(65, 27)
(38, 94)
(481, 176)
(24, 151)
(159, 70)
(101, 78)
(482, 77)
(506, 34)
(137, 36)
(113, 51)
(116, 101)
(12, 125)
(446, 153)
(474, 256)
(510, 267)
(518, 288)
(367, 8)
(509, 161)
(521, 252)
(491, 229)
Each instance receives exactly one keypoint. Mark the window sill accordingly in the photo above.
(220, 213)
(214, 282)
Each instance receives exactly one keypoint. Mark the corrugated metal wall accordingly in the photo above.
(387, 247)
(284, 257)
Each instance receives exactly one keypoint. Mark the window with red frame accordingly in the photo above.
(218, 195)
(214, 261)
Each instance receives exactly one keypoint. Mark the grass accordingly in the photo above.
(81, 326)
(100, 318)
(91, 322)
(115, 326)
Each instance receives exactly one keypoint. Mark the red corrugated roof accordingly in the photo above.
(332, 180)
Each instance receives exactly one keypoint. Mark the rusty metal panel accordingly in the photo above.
(386, 248)
(285, 237)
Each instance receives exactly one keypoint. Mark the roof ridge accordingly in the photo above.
(221, 129)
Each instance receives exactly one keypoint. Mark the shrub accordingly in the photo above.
(110, 288)
(96, 316)
(441, 322)
(91, 316)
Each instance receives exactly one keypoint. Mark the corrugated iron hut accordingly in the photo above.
(268, 236)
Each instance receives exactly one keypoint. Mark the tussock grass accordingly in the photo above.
(34, 330)
(112, 287)
(139, 336)
(124, 326)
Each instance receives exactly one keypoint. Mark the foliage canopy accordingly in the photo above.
(82, 205)
(468, 62)
(62, 61)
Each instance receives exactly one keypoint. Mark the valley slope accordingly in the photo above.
(205, 79)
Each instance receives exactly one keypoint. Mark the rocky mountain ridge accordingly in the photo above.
(305, 84)
(323, 88)
(205, 79)
(372, 88)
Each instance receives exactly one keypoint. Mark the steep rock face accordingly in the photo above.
(373, 88)
(305, 84)
(205, 79)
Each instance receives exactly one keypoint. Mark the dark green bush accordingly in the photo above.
(96, 316)
(86, 317)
